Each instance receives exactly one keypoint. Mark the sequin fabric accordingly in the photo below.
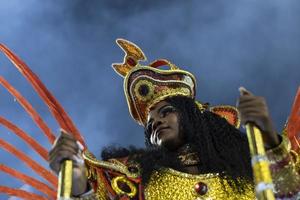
(285, 167)
(169, 184)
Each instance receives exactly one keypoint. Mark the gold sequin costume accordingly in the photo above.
(169, 184)
(144, 86)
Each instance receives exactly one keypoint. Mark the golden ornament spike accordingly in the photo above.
(133, 54)
(131, 49)
(121, 68)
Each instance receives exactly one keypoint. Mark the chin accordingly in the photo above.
(168, 144)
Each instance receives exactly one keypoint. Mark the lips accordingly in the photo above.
(157, 132)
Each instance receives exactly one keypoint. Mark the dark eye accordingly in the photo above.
(167, 110)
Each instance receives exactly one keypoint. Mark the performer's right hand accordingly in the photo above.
(66, 147)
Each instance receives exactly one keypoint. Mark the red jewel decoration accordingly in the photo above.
(131, 61)
(201, 188)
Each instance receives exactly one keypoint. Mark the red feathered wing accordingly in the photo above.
(62, 118)
(293, 125)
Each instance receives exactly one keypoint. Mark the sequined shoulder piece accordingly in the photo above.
(113, 178)
(117, 165)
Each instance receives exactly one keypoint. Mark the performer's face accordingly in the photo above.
(163, 125)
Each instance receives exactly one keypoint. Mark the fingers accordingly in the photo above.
(256, 118)
(244, 91)
(64, 148)
(66, 140)
(252, 103)
(60, 156)
(245, 96)
(253, 109)
(64, 134)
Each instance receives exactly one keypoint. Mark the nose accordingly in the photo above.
(156, 123)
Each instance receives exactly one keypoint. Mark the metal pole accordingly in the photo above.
(260, 164)
(65, 181)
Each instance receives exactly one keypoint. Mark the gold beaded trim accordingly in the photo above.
(280, 152)
(150, 93)
(124, 180)
(167, 94)
(116, 166)
(191, 176)
(186, 88)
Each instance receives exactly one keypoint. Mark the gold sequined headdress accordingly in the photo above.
(146, 85)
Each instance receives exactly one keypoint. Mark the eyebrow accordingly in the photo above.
(159, 110)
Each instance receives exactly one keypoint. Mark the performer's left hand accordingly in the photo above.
(254, 109)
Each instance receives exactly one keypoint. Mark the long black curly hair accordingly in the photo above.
(221, 147)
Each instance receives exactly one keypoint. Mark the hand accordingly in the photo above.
(254, 109)
(66, 147)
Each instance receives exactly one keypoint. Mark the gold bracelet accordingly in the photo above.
(281, 152)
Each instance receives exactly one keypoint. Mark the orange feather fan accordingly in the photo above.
(58, 113)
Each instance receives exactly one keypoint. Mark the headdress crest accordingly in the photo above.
(146, 85)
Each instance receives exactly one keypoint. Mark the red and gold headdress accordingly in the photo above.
(146, 85)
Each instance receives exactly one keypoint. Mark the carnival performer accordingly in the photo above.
(193, 150)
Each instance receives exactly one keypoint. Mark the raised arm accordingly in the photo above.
(67, 148)
(284, 163)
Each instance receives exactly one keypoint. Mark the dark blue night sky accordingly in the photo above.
(71, 44)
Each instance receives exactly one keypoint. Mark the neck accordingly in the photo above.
(189, 159)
